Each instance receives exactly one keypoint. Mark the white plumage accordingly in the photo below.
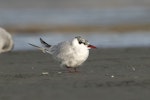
(6, 41)
(70, 54)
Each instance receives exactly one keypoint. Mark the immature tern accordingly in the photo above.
(70, 54)
(6, 41)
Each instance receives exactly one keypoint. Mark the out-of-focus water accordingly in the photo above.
(95, 16)
(101, 40)
(55, 17)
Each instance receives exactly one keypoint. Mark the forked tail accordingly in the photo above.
(44, 50)
(45, 47)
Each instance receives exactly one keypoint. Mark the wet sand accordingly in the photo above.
(108, 74)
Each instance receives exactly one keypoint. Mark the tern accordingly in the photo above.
(70, 54)
(6, 41)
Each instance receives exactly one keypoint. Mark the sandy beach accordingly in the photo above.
(108, 74)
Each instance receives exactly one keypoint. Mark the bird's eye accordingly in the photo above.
(80, 42)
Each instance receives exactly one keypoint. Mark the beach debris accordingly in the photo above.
(59, 72)
(133, 68)
(112, 76)
(45, 73)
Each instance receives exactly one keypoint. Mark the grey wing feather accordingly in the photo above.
(44, 43)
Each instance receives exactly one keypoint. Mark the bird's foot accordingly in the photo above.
(72, 70)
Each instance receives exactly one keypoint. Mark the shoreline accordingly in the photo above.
(122, 28)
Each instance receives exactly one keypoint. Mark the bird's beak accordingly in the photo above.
(92, 46)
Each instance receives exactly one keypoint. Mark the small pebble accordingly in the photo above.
(59, 72)
(45, 73)
(112, 76)
(133, 68)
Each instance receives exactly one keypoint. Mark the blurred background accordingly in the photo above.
(105, 23)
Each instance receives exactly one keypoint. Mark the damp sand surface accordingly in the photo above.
(108, 74)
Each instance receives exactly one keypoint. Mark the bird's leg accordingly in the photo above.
(75, 69)
(72, 71)
(69, 69)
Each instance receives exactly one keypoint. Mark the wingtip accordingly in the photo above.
(44, 43)
(41, 38)
(30, 44)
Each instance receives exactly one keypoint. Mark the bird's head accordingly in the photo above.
(79, 41)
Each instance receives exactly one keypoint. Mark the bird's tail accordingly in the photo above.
(44, 50)
(44, 47)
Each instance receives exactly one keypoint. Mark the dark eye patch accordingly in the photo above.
(80, 42)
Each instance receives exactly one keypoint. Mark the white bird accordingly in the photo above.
(6, 41)
(70, 54)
